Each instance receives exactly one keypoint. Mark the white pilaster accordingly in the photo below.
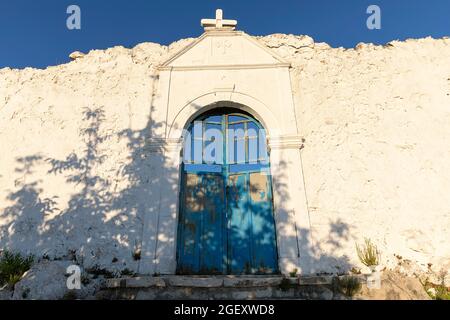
(295, 248)
(160, 223)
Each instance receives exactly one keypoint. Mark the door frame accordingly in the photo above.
(225, 174)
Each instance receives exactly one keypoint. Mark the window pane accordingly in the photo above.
(198, 142)
(213, 147)
(187, 147)
(197, 130)
(203, 168)
(214, 119)
(236, 143)
(252, 129)
(253, 155)
(233, 118)
(248, 167)
(246, 142)
(237, 130)
(240, 150)
(216, 128)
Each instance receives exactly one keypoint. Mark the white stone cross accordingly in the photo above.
(219, 22)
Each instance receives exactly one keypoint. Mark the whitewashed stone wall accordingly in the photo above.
(76, 176)
(376, 157)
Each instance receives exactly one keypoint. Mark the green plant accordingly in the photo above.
(286, 284)
(127, 272)
(368, 254)
(442, 292)
(293, 273)
(13, 279)
(348, 286)
(437, 291)
(13, 266)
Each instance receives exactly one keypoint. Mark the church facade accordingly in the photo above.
(229, 73)
(229, 154)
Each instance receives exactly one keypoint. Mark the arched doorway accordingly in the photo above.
(226, 222)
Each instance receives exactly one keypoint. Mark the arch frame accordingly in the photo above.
(218, 99)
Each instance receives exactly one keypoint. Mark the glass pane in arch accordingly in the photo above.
(233, 118)
(213, 143)
(214, 119)
(224, 137)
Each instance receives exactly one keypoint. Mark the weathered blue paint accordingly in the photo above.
(226, 223)
(251, 233)
(202, 225)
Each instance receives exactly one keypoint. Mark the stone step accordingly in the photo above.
(221, 287)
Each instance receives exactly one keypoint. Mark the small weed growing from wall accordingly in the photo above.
(348, 286)
(437, 291)
(293, 273)
(285, 285)
(13, 266)
(127, 272)
(442, 293)
(368, 254)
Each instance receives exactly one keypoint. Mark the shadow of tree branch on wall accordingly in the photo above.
(103, 223)
(100, 226)
(299, 246)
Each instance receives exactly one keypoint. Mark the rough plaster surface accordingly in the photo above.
(376, 151)
(74, 171)
(47, 280)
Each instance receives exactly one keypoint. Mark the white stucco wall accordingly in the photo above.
(375, 120)
(375, 157)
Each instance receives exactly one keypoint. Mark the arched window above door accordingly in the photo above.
(227, 139)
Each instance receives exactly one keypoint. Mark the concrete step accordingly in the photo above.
(221, 287)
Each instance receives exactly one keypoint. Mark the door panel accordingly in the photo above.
(263, 224)
(226, 222)
(201, 230)
(212, 248)
(251, 233)
(239, 230)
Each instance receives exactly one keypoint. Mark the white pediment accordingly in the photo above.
(224, 49)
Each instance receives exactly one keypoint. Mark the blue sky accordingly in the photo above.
(34, 33)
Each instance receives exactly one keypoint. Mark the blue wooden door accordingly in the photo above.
(201, 249)
(226, 223)
(251, 232)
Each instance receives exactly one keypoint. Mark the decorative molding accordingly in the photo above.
(222, 33)
(226, 67)
(286, 142)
